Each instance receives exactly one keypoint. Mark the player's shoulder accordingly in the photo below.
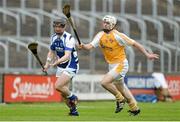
(67, 35)
(99, 34)
(53, 36)
(117, 32)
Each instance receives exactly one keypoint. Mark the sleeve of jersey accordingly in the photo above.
(123, 39)
(95, 41)
(70, 44)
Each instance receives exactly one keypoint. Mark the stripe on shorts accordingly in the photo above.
(119, 68)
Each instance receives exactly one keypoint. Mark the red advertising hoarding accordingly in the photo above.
(30, 88)
(174, 86)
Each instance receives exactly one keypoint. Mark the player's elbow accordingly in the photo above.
(67, 57)
(137, 45)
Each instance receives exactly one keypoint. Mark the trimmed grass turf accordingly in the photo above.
(89, 111)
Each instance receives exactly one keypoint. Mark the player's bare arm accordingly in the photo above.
(132, 42)
(87, 46)
(150, 56)
(50, 58)
(62, 59)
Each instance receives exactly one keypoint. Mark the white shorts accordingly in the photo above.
(68, 71)
(119, 70)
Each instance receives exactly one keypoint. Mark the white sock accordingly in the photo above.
(70, 95)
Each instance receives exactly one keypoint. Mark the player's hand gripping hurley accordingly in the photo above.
(66, 12)
(33, 48)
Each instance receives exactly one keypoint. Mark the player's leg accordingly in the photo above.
(66, 100)
(117, 71)
(71, 104)
(163, 94)
(161, 87)
(108, 85)
(121, 86)
(161, 91)
(158, 93)
(166, 94)
(62, 85)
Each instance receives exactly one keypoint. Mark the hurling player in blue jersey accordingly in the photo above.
(62, 53)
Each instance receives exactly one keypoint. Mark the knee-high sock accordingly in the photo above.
(121, 86)
(119, 97)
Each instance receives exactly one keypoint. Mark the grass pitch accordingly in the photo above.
(89, 111)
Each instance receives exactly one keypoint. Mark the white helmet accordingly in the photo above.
(111, 19)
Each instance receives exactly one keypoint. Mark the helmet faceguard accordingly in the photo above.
(59, 23)
(111, 20)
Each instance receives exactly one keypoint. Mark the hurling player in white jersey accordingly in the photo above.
(62, 53)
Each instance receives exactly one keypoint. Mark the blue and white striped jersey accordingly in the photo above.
(60, 45)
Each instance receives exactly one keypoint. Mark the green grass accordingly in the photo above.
(89, 111)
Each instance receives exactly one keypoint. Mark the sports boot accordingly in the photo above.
(134, 113)
(73, 105)
(119, 106)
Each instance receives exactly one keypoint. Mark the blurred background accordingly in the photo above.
(153, 23)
